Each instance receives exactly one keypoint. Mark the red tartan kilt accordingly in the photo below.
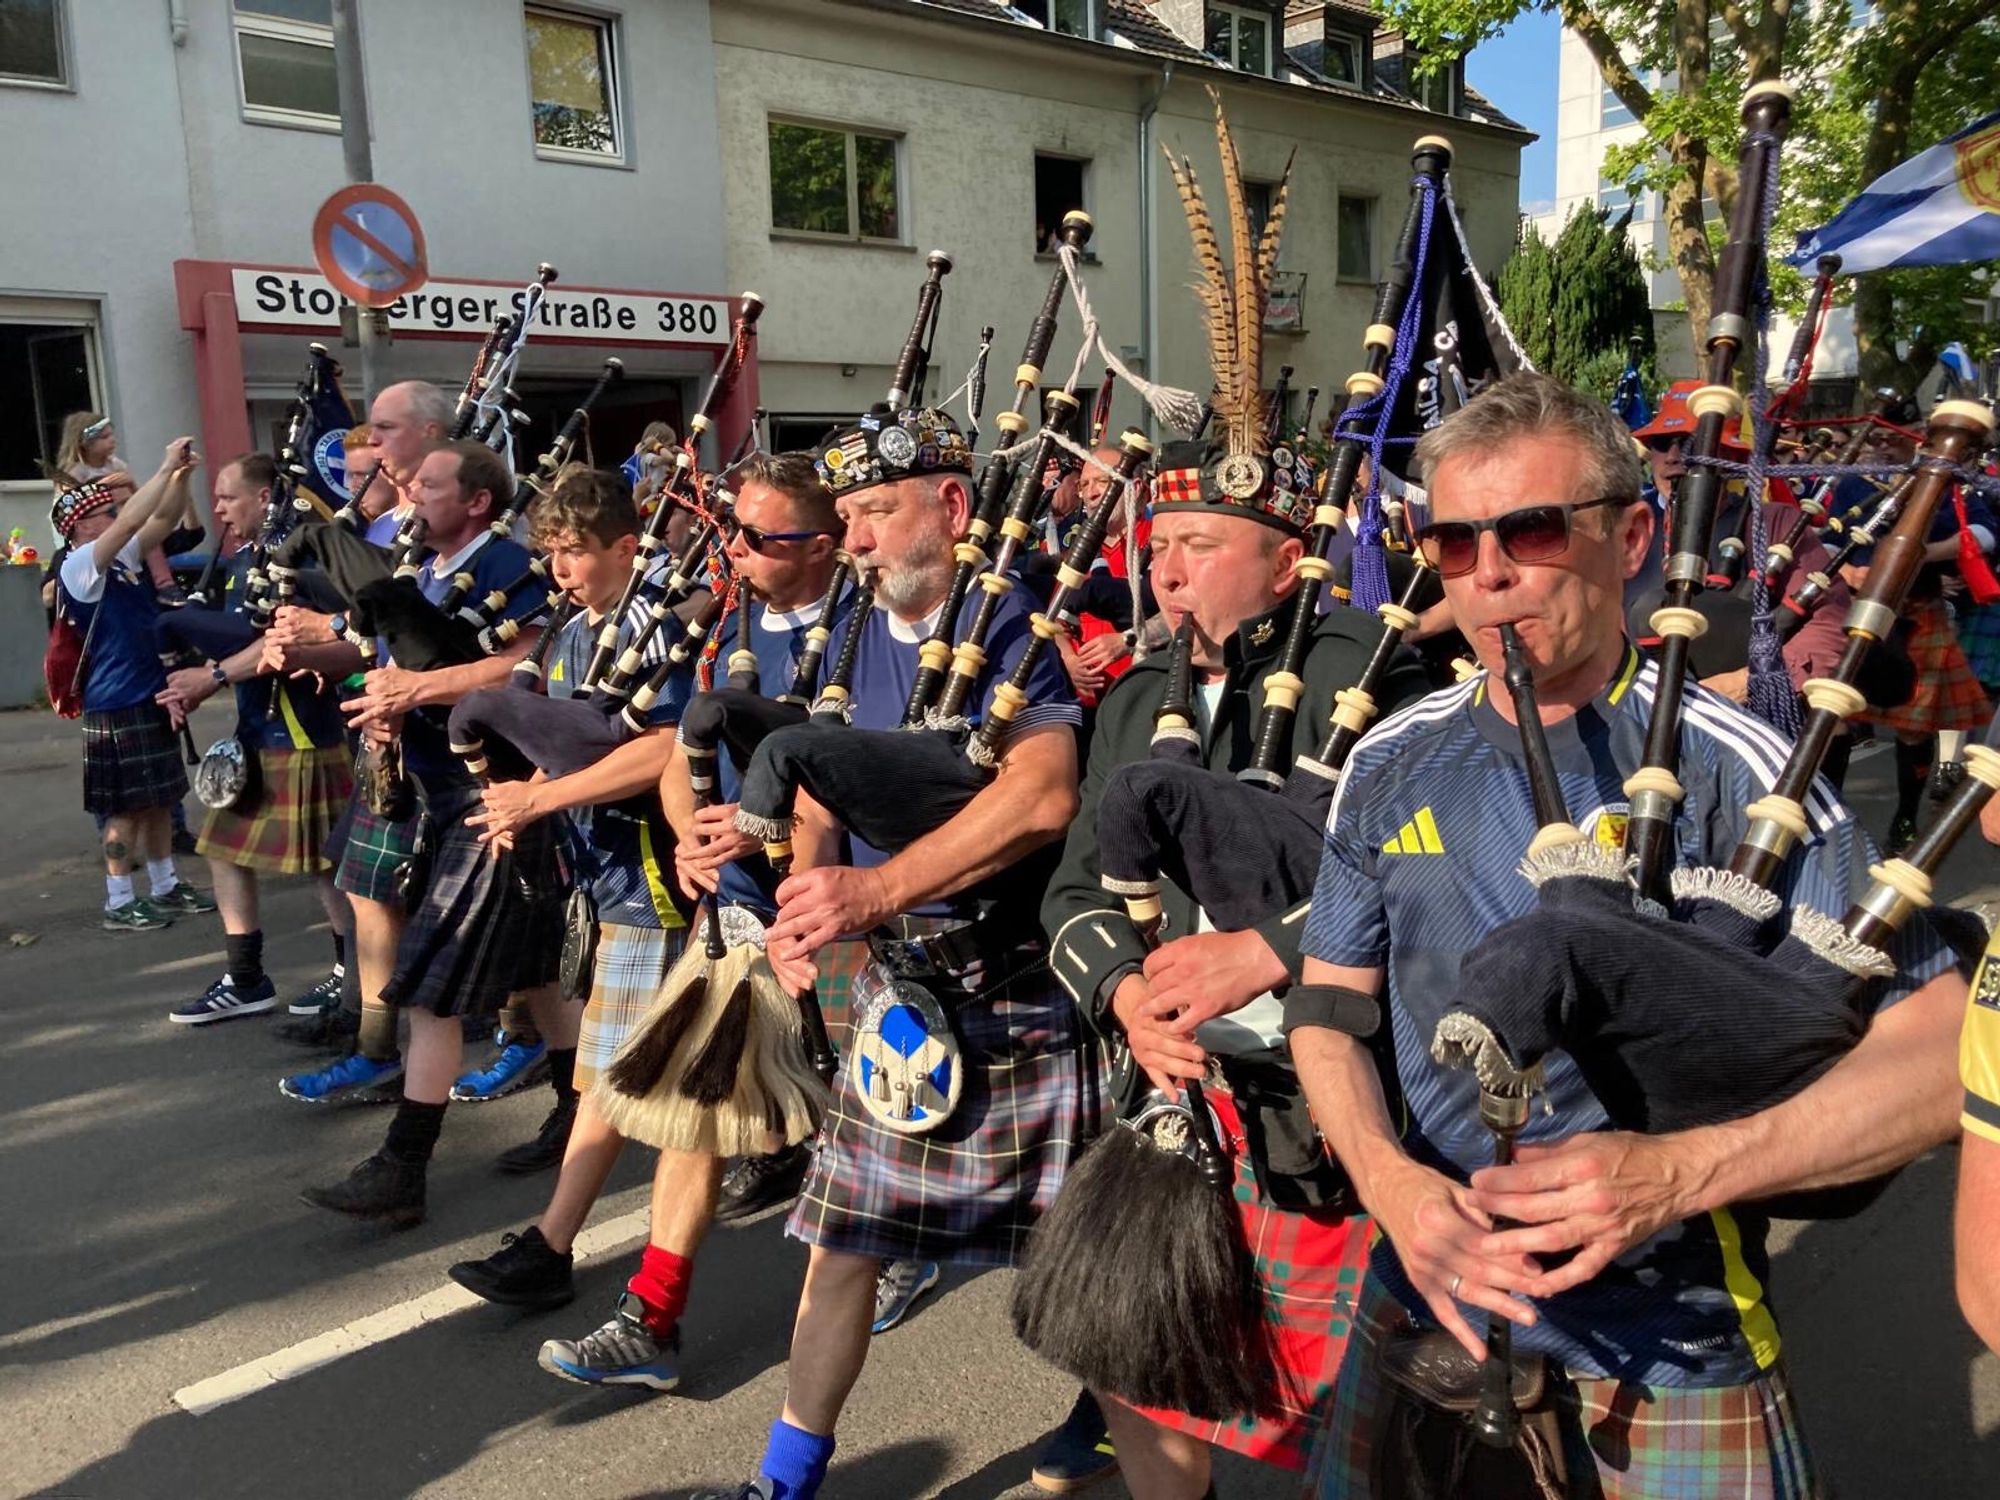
(286, 827)
(1948, 694)
(1309, 1268)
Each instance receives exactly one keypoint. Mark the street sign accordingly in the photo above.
(367, 242)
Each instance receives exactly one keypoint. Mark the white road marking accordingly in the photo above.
(351, 1338)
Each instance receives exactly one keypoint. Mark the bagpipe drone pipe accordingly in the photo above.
(1693, 996)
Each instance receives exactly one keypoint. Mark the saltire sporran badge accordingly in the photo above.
(905, 1064)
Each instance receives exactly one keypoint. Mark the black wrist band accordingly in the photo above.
(1331, 1007)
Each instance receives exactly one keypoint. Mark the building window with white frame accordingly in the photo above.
(1239, 37)
(832, 182)
(1611, 111)
(573, 85)
(1437, 91)
(33, 48)
(1341, 59)
(1065, 17)
(1355, 239)
(48, 369)
(284, 59)
(1616, 197)
(1060, 183)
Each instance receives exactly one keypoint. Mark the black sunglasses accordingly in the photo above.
(1532, 534)
(757, 539)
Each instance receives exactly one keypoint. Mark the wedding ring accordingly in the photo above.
(1452, 1290)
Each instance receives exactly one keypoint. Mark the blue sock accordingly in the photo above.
(795, 1461)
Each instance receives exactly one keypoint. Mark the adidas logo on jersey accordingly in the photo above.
(1418, 836)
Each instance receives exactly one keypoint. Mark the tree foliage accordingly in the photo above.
(1576, 304)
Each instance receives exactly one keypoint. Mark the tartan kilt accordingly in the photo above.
(632, 964)
(371, 852)
(1979, 639)
(131, 761)
(1640, 1442)
(1309, 1267)
(286, 830)
(970, 1191)
(1948, 696)
(488, 922)
(838, 963)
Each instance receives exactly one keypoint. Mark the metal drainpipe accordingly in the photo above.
(1149, 301)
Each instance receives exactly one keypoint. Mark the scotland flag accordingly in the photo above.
(1939, 208)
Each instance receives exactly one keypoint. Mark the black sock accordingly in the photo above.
(1913, 769)
(245, 951)
(413, 1134)
(562, 1071)
(339, 956)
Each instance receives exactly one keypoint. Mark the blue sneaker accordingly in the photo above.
(622, 1352)
(518, 1065)
(222, 1000)
(1079, 1453)
(897, 1287)
(353, 1077)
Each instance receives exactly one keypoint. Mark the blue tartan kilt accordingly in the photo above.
(970, 1191)
(488, 923)
(131, 761)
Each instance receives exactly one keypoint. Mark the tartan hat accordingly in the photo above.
(1277, 489)
(885, 446)
(76, 501)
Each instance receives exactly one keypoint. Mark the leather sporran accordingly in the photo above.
(578, 968)
(413, 875)
(229, 774)
(385, 790)
(1425, 1447)
(905, 1063)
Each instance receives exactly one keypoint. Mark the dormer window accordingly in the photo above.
(1239, 37)
(1065, 17)
(1439, 91)
(1340, 60)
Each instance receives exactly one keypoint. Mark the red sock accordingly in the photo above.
(661, 1282)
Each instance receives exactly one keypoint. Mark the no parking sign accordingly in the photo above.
(367, 242)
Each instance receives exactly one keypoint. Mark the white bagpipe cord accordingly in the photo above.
(491, 400)
(1488, 303)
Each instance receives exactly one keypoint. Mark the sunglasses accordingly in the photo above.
(1667, 444)
(758, 540)
(1532, 534)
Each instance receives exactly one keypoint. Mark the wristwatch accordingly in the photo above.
(338, 625)
(221, 677)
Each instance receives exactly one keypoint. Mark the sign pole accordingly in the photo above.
(353, 93)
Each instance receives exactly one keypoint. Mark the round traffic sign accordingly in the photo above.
(367, 242)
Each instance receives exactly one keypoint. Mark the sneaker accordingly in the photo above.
(518, 1065)
(546, 1149)
(757, 1489)
(1946, 777)
(1902, 834)
(224, 999)
(1078, 1453)
(897, 1288)
(523, 1272)
(170, 596)
(380, 1188)
(183, 900)
(354, 1077)
(135, 916)
(756, 1183)
(622, 1352)
(327, 1029)
(322, 996)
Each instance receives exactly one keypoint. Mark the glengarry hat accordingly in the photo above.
(885, 446)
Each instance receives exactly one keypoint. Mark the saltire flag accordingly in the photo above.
(328, 416)
(1629, 400)
(1939, 208)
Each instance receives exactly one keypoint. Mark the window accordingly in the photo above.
(834, 182)
(284, 54)
(1341, 59)
(1058, 189)
(1617, 196)
(1069, 17)
(1611, 110)
(31, 43)
(47, 371)
(1257, 207)
(573, 85)
(1241, 38)
(1437, 91)
(1356, 239)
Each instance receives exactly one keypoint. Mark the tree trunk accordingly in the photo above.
(1687, 240)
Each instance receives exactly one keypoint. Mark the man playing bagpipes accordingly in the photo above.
(296, 772)
(482, 922)
(1228, 567)
(1976, 1223)
(407, 421)
(589, 527)
(955, 914)
(1631, 1267)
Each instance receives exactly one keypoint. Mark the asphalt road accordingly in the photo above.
(151, 1240)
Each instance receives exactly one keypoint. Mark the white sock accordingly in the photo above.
(160, 875)
(1950, 742)
(117, 891)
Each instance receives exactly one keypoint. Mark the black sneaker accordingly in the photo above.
(380, 1188)
(756, 1183)
(1078, 1453)
(1946, 777)
(1902, 834)
(322, 995)
(546, 1149)
(326, 1030)
(523, 1272)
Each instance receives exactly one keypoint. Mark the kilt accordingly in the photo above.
(1637, 1442)
(131, 761)
(970, 1191)
(1979, 639)
(286, 829)
(1948, 696)
(838, 963)
(1309, 1269)
(488, 922)
(371, 852)
(632, 962)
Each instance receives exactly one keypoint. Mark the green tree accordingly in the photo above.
(1576, 305)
